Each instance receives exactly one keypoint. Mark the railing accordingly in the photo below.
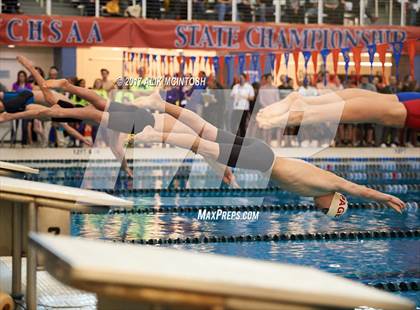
(350, 12)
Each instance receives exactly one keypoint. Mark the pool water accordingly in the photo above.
(384, 260)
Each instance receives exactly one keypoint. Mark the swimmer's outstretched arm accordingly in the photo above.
(308, 180)
(370, 194)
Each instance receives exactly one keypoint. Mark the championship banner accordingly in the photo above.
(59, 31)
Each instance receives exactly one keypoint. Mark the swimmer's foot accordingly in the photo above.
(25, 62)
(288, 119)
(148, 135)
(153, 102)
(280, 107)
(53, 111)
(292, 117)
(62, 83)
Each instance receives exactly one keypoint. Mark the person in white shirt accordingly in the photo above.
(267, 95)
(242, 94)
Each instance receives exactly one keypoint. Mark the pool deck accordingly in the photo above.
(8, 154)
(51, 293)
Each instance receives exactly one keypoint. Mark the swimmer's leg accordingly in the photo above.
(48, 96)
(99, 102)
(32, 111)
(189, 118)
(254, 155)
(284, 105)
(166, 123)
(89, 113)
(356, 110)
(53, 97)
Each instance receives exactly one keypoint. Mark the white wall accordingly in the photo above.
(91, 60)
(41, 56)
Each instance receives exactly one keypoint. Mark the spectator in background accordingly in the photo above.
(268, 94)
(34, 126)
(242, 93)
(199, 9)
(143, 84)
(265, 10)
(244, 11)
(122, 94)
(53, 73)
(195, 98)
(80, 127)
(187, 92)
(409, 136)
(177, 9)
(334, 11)
(112, 8)
(285, 88)
(366, 131)
(284, 83)
(214, 103)
(223, 7)
(22, 82)
(307, 90)
(366, 85)
(172, 94)
(412, 9)
(333, 82)
(254, 106)
(11, 7)
(107, 84)
(32, 81)
(76, 99)
(97, 86)
(386, 136)
(309, 132)
(294, 12)
(153, 9)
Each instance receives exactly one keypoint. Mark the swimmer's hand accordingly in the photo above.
(395, 203)
(129, 172)
(86, 141)
(127, 169)
(222, 171)
(229, 178)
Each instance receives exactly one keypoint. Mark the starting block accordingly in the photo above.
(142, 277)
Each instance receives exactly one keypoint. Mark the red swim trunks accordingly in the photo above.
(411, 101)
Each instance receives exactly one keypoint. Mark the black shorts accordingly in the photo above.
(66, 105)
(128, 118)
(15, 102)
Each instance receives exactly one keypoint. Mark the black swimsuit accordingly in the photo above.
(15, 102)
(122, 117)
